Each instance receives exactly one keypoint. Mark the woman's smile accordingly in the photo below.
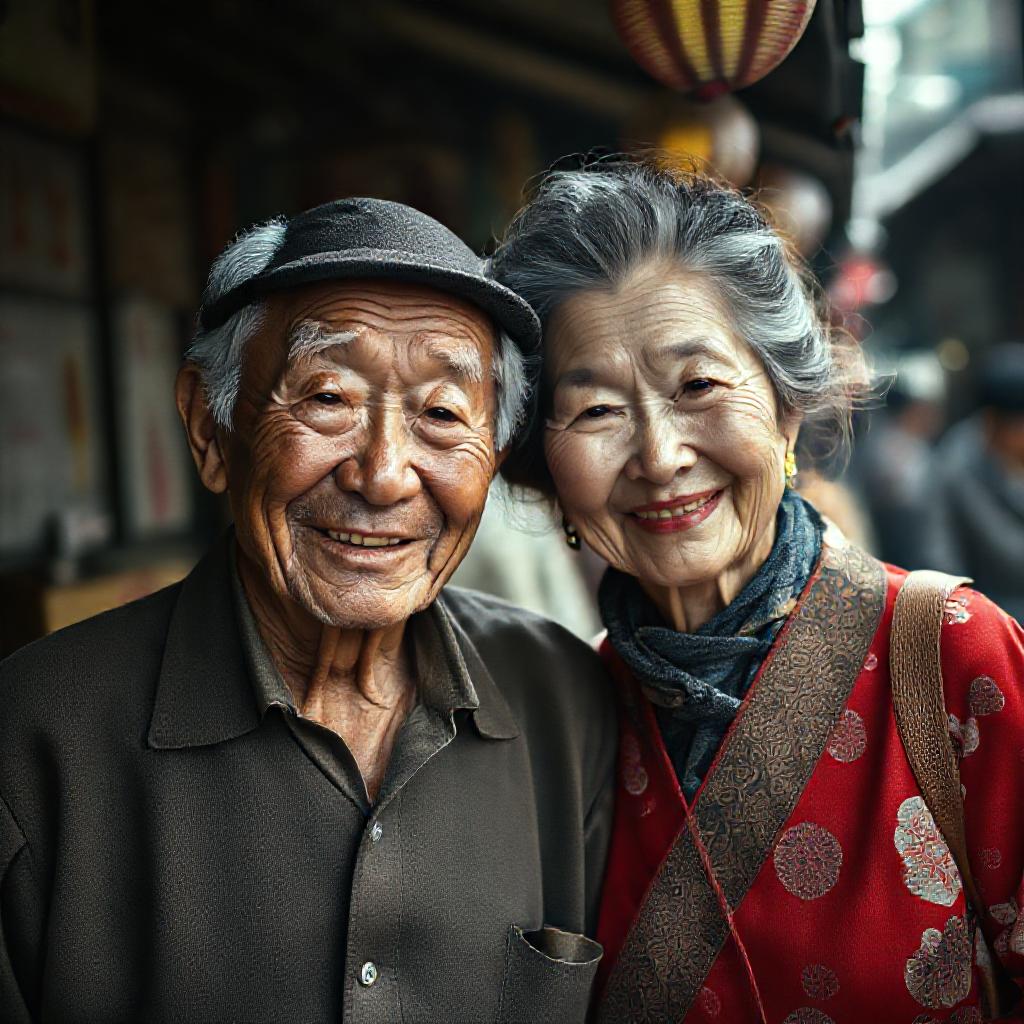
(678, 514)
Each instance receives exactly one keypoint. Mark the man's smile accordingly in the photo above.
(368, 540)
(364, 548)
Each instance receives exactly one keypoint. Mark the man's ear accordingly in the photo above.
(201, 429)
(499, 457)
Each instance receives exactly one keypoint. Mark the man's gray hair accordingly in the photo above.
(589, 228)
(218, 352)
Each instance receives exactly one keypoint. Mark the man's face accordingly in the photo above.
(363, 446)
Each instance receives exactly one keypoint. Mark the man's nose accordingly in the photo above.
(661, 452)
(382, 471)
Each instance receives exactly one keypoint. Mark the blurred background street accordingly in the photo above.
(137, 139)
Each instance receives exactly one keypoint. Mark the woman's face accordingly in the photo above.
(663, 435)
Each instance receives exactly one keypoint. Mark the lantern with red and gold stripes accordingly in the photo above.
(709, 47)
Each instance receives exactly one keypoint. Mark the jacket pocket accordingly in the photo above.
(549, 975)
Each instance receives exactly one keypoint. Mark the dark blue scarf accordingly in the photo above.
(698, 680)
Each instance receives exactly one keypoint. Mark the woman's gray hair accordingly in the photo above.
(590, 228)
(218, 352)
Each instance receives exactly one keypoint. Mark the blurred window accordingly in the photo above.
(927, 61)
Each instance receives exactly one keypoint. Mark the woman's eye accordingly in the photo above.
(442, 415)
(595, 412)
(698, 387)
(326, 398)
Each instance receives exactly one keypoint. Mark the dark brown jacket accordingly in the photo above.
(168, 853)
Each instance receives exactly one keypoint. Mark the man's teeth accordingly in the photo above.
(361, 540)
(675, 513)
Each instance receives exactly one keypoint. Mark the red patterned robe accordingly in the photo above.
(844, 898)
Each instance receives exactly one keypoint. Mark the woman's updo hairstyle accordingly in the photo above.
(589, 228)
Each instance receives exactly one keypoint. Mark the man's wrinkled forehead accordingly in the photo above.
(393, 305)
(430, 323)
(310, 339)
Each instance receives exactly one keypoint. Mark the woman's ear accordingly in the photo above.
(791, 429)
(201, 429)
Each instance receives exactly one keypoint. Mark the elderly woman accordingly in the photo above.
(774, 857)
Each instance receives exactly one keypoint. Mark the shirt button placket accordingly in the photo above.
(371, 992)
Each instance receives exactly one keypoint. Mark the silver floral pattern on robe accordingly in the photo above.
(955, 612)
(819, 981)
(848, 738)
(808, 1015)
(929, 870)
(634, 774)
(985, 697)
(991, 857)
(807, 860)
(965, 735)
(709, 1002)
(939, 972)
(1011, 938)
(965, 1015)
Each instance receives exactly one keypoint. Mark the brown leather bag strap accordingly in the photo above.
(915, 669)
(919, 704)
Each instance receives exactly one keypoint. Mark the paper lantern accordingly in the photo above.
(720, 136)
(862, 280)
(799, 204)
(709, 47)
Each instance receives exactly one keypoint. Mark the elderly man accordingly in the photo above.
(306, 784)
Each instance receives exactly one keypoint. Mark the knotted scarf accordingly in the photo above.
(698, 680)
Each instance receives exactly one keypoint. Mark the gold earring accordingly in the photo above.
(572, 538)
(790, 469)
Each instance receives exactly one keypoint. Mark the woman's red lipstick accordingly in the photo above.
(653, 519)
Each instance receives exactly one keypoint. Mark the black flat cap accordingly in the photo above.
(374, 238)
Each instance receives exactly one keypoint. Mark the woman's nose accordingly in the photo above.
(382, 471)
(661, 452)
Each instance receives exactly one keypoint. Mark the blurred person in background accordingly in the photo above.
(838, 503)
(308, 783)
(892, 464)
(515, 556)
(975, 520)
(772, 846)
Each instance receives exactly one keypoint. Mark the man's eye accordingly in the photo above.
(595, 412)
(698, 387)
(326, 398)
(441, 415)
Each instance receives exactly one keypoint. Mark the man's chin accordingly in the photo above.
(365, 609)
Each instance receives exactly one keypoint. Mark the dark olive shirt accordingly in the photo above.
(177, 844)
(443, 686)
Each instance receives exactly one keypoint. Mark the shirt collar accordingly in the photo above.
(268, 685)
(490, 711)
(203, 693)
(217, 678)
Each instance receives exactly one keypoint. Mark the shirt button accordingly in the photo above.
(376, 832)
(368, 973)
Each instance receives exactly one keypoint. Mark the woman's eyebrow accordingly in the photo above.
(690, 347)
(580, 377)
